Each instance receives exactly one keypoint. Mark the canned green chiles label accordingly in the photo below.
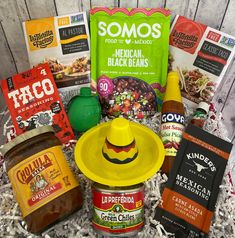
(118, 212)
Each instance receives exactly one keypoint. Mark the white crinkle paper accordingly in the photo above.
(79, 224)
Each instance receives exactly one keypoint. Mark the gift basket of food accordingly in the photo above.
(113, 133)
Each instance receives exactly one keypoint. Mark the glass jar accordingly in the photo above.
(200, 115)
(43, 184)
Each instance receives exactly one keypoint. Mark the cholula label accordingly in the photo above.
(118, 212)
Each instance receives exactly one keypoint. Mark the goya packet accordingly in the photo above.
(190, 194)
(129, 56)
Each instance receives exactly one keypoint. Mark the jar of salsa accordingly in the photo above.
(44, 186)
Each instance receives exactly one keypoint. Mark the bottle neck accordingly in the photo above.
(173, 91)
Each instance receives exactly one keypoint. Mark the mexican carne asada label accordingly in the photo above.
(191, 192)
(41, 178)
(118, 212)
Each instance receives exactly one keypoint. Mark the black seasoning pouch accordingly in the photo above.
(192, 189)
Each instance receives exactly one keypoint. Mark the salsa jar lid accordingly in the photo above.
(25, 136)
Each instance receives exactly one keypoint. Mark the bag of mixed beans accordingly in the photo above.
(129, 56)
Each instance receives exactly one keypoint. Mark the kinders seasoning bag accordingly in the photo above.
(129, 53)
(190, 195)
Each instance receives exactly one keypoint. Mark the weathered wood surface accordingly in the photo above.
(211, 12)
(11, 17)
(228, 22)
(42, 8)
(150, 3)
(104, 3)
(130, 3)
(185, 8)
(13, 58)
(68, 6)
(7, 60)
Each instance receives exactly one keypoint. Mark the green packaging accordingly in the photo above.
(129, 54)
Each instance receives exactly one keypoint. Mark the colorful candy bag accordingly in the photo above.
(191, 192)
(129, 56)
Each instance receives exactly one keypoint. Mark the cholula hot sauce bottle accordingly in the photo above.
(172, 120)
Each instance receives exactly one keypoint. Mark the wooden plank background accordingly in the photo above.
(13, 58)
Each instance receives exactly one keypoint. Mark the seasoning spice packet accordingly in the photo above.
(201, 55)
(63, 42)
(192, 189)
(33, 100)
(129, 59)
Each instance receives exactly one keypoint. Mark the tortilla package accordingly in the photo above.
(129, 56)
(190, 194)
(201, 55)
(63, 43)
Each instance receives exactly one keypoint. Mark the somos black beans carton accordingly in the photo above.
(63, 42)
(201, 55)
(129, 50)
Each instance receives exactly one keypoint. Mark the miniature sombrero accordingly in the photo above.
(119, 153)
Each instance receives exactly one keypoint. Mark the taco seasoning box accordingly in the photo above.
(172, 120)
(118, 211)
(200, 115)
(42, 181)
(33, 101)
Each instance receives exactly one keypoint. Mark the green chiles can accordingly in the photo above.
(118, 211)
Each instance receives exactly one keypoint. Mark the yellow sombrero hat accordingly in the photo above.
(119, 153)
